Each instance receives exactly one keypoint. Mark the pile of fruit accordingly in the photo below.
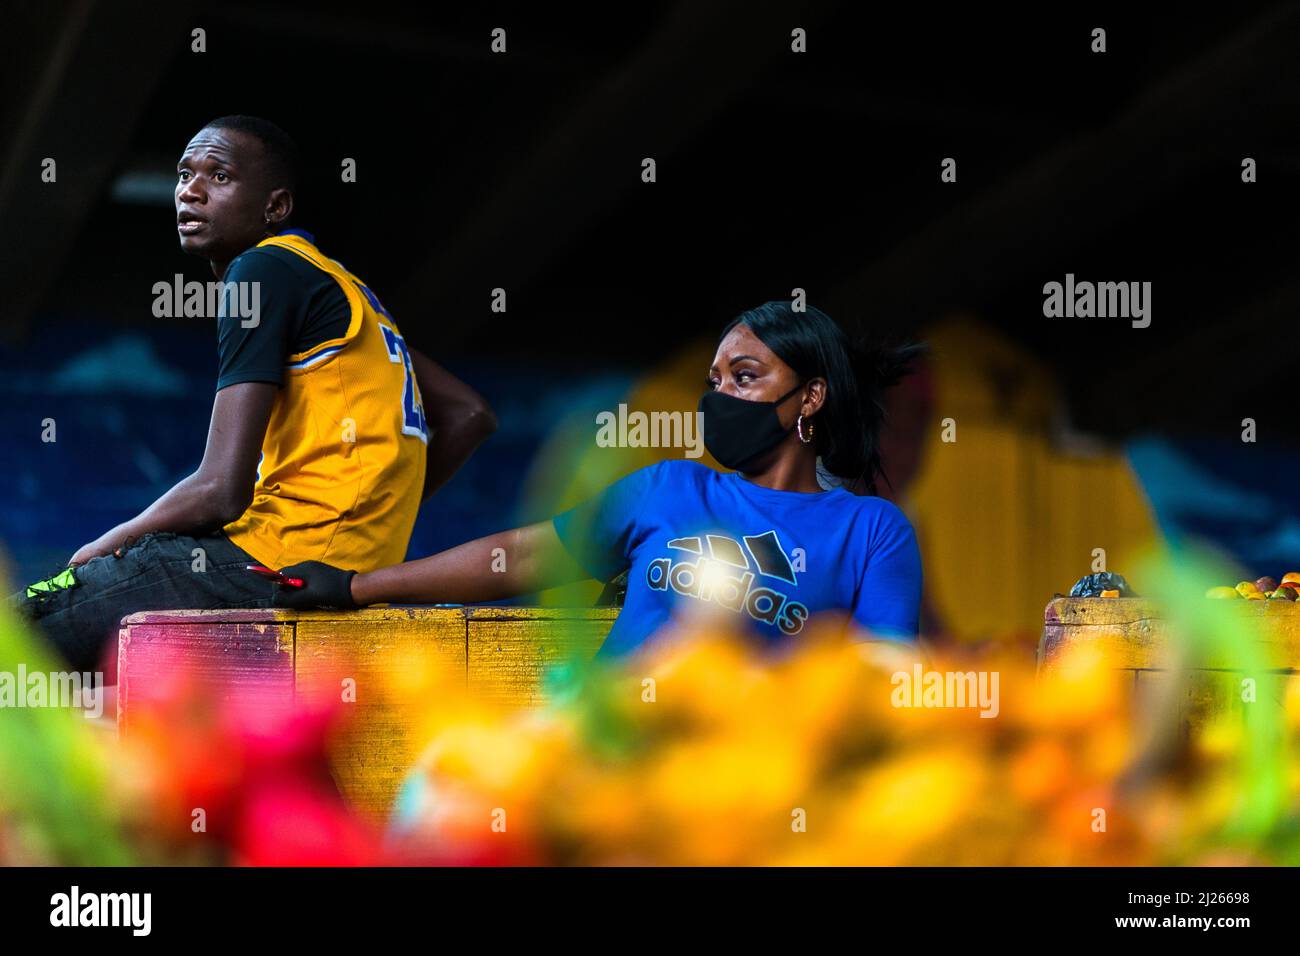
(1264, 589)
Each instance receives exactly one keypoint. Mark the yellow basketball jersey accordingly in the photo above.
(343, 461)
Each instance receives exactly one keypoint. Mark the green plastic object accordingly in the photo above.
(62, 581)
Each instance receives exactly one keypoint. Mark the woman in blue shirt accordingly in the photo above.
(766, 542)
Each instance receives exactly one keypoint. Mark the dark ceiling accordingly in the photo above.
(775, 170)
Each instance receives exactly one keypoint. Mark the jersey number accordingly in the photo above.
(413, 421)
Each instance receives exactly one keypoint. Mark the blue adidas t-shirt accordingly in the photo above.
(775, 558)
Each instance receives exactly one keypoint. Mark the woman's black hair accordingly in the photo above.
(847, 431)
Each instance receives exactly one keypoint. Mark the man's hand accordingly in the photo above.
(87, 551)
(324, 586)
(96, 549)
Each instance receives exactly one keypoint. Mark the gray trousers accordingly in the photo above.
(158, 572)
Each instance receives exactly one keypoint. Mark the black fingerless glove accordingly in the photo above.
(324, 586)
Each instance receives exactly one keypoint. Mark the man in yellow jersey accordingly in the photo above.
(327, 429)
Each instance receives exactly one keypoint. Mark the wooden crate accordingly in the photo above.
(1135, 636)
(270, 657)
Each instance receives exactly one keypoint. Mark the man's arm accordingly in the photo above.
(219, 491)
(459, 420)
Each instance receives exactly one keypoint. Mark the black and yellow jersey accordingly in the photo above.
(344, 456)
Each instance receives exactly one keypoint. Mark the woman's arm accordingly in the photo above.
(502, 565)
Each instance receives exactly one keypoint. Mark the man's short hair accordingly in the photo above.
(281, 152)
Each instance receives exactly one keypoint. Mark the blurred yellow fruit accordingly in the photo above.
(1081, 689)
(1039, 770)
(894, 809)
(809, 759)
(716, 801)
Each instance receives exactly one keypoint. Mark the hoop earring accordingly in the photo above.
(798, 424)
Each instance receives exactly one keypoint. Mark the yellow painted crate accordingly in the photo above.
(254, 656)
(1135, 637)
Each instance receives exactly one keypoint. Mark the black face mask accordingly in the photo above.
(737, 431)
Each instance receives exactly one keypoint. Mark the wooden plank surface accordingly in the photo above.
(511, 648)
(247, 659)
(225, 615)
(1069, 611)
(492, 612)
(1134, 633)
(394, 660)
(1194, 697)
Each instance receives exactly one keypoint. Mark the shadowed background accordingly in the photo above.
(775, 171)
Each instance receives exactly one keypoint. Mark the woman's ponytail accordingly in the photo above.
(877, 366)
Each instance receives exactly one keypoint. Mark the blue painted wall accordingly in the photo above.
(131, 414)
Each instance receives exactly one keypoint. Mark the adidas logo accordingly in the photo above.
(725, 572)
